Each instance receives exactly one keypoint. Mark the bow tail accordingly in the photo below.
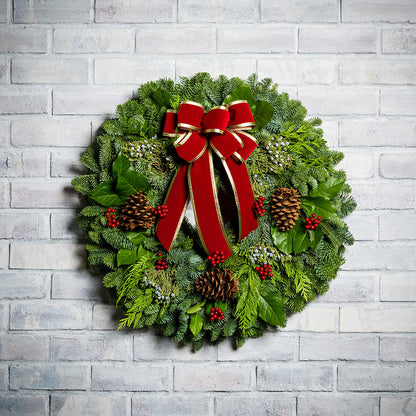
(177, 199)
(207, 212)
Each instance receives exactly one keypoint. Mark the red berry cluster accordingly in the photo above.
(161, 210)
(161, 264)
(258, 206)
(216, 257)
(216, 315)
(264, 271)
(313, 222)
(111, 218)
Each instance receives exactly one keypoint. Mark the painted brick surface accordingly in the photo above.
(64, 67)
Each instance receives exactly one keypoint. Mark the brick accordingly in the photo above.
(398, 348)
(66, 165)
(380, 71)
(79, 285)
(88, 404)
(3, 12)
(91, 348)
(375, 378)
(4, 71)
(351, 287)
(397, 225)
(254, 404)
(377, 132)
(51, 132)
(50, 315)
(23, 101)
(24, 405)
(274, 347)
(398, 165)
(370, 256)
(177, 403)
(294, 377)
(398, 41)
(378, 11)
(22, 39)
(131, 71)
(398, 287)
(338, 347)
(221, 377)
(355, 223)
(216, 66)
(4, 316)
(259, 39)
(45, 194)
(4, 134)
(339, 101)
(298, 71)
(377, 319)
(105, 317)
(132, 377)
(377, 195)
(63, 225)
(24, 286)
(306, 11)
(49, 377)
(176, 40)
(89, 100)
(145, 350)
(313, 319)
(330, 129)
(49, 71)
(329, 39)
(15, 347)
(55, 11)
(216, 11)
(17, 225)
(397, 406)
(4, 193)
(92, 40)
(135, 12)
(23, 164)
(358, 164)
(4, 377)
(4, 254)
(336, 405)
(398, 102)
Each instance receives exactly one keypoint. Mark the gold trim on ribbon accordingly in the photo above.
(199, 154)
(248, 135)
(169, 134)
(221, 107)
(238, 158)
(185, 126)
(218, 153)
(237, 102)
(242, 126)
(193, 103)
(182, 139)
(235, 135)
(213, 131)
(171, 110)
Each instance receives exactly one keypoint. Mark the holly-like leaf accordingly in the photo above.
(272, 310)
(137, 237)
(120, 165)
(195, 324)
(131, 182)
(319, 206)
(105, 196)
(282, 240)
(196, 308)
(263, 113)
(241, 93)
(301, 242)
(328, 189)
(126, 256)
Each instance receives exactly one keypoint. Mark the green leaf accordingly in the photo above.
(241, 93)
(272, 310)
(131, 182)
(208, 307)
(282, 240)
(222, 305)
(301, 241)
(262, 113)
(126, 256)
(195, 324)
(137, 237)
(319, 206)
(120, 165)
(196, 308)
(317, 235)
(104, 195)
(162, 97)
(328, 189)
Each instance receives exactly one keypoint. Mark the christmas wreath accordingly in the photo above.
(265, 232)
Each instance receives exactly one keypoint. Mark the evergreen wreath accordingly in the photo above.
(298, 202)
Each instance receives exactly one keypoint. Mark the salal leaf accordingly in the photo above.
(282, 240)
(137, 237)
(241, 93)
(196, 308)
(105, 196)
(319, 206)
(126, 256)
(162, 97)
(272, 310)
(328, 189)
(120, 165)
(263, 113)
(129, 183)
(195, 324)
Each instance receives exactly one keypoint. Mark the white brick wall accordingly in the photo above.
(65, 66)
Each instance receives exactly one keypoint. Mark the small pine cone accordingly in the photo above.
(217, 284)
(137, 213)
(285, 208)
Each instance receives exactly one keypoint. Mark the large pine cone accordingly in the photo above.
(285, 208)
(217, 284)
(137, 212)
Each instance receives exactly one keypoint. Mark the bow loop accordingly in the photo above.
(216, 120)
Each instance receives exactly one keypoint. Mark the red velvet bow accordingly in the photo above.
(221, 130)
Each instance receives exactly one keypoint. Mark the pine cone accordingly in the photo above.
(285, 208)
(137, 213)
(217, 284)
